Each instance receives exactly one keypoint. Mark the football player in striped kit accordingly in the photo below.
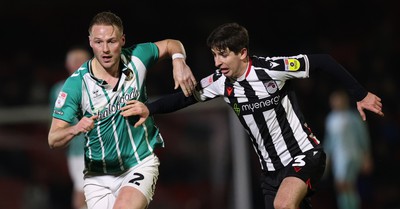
(259, 91)
(121, 168)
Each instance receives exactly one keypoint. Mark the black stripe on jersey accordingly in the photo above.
(287, 132)
(261, 122)
(233, 101)
(296, 108)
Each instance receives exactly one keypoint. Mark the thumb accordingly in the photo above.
(140, 122)
(94, 117)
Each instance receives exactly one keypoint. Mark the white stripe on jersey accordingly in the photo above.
(259, 141)
(116, 138)
(132, 141)
(147, 137)
(278, 141)
(102, 149)
(141, 69)
(295, 125)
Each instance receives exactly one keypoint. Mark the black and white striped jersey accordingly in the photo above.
(265, 104)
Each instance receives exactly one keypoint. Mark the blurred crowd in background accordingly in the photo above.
(364, 37)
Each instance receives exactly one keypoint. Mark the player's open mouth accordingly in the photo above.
(224, 70)
(107, 58)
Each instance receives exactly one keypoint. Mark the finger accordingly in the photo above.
(94, 117)
(176, 85)
(127, 113)
(362, 114)
(140, 122)
(191, 85)
(194, 82)
(131, 102)
(185, 91)
(379, 112)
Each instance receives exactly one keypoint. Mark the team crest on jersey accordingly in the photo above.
(62, 96)
(292, 64)
(271, 87)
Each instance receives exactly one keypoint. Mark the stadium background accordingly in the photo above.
(200, 162)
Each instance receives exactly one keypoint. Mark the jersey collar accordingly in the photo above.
(122, 68)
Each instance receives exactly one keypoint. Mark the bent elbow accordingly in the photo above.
(51, 141)
(51, 144)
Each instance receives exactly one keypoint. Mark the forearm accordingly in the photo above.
(170, 103)
(328, 64)
(175, 47)
(182, 74)
(169, 47)
(59, 137)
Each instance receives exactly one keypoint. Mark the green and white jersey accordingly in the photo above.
(114, 145)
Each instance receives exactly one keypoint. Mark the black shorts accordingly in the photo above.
(309, 167)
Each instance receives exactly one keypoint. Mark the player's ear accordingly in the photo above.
(123, 40)
(90, 41)
(243, 53)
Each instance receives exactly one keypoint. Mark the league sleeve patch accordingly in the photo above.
(292, 64)
(206, 81)
(62, 96)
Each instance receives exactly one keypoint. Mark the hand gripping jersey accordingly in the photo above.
(114, 145)
(266, 106)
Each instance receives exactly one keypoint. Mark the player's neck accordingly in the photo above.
(104, 73)
(111, 75)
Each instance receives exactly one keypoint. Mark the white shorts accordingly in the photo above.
(76, 165)
(102, 190)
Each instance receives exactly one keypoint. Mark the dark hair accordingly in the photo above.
(106, 18)
(229, 35)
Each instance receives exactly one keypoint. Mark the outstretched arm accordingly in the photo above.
(165, 104)
(365, 100)
(182, 73)
(170, 103)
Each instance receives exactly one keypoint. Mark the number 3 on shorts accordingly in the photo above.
(298, 160)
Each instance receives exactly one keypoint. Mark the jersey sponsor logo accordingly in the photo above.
(248, 108)
(292, 64)
(118, 103)
(62, 96)
(236, 109)
(271, 87)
